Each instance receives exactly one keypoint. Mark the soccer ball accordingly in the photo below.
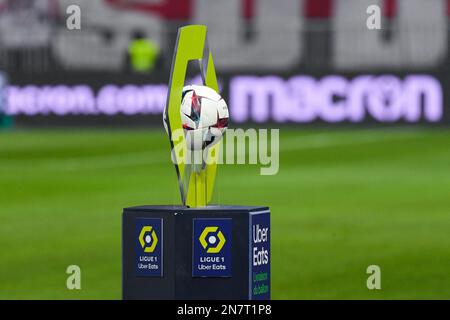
(204, 116)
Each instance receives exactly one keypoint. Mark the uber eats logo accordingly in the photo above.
(148, 239)
(212, 239)
(211, 254)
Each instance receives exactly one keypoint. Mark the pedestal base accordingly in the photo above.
(217, 252)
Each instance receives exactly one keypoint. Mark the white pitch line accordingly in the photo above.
(313, 141)
(328, 140)
(89, 162)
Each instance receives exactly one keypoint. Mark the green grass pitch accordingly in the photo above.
(342, 200)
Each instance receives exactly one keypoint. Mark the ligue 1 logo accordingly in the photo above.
(212, 239)
(148, 239)
(148, 247)
(212, 249)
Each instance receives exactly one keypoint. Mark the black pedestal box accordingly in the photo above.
(216, 252)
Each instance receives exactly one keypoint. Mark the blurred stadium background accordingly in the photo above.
(365, 145)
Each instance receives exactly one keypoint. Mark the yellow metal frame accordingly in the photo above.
(191, 45)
